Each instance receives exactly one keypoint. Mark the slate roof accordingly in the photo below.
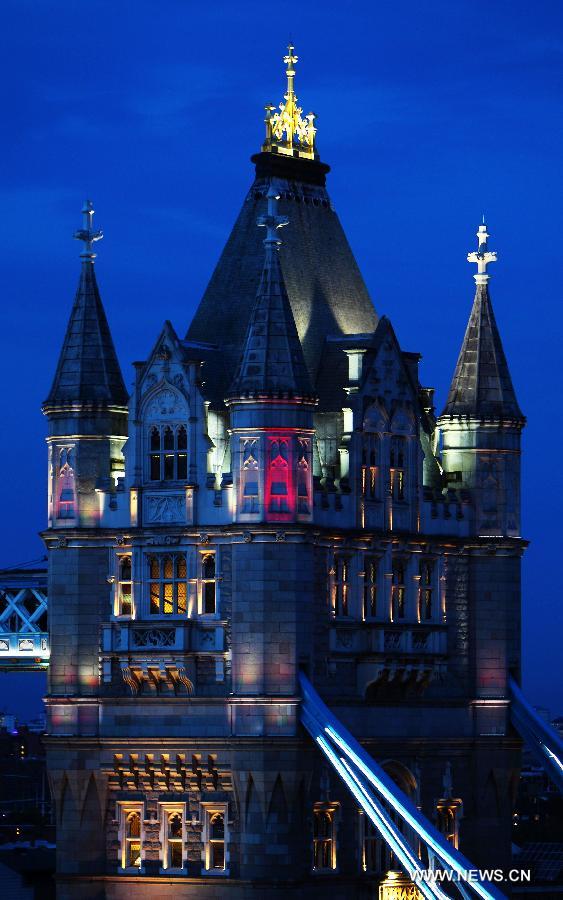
(324, 285)
(88, 369)
(482, 386)
(272, 360)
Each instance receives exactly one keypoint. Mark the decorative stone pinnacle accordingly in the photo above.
(482, 256)
(287, 131)
(271, 221)
(87, 233)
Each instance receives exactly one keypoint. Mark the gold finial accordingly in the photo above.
(287, 131)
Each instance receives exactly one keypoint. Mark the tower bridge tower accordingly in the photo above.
(269, 501)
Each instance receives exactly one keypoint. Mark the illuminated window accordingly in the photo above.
(124, 586)
(250, 497)
(66, 499)
(324, 837)
(371, 450)
(130, 836)
(303, 476)
(370, 587)
(172, 836)
(448, 813)
(215, 838)
(425, 591)
(398, 591)
(167, 584)
(168, 453)
(208, 584)
(341, 586)
(397, 466)
(279, 476)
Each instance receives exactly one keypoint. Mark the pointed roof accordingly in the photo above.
(324, 285)
(272, 360)
(88, 369)
(482, 386)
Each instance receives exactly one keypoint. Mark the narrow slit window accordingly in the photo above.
(208, 584)
(370, 588)
(397, 467)
(398, 592)
(125, 587)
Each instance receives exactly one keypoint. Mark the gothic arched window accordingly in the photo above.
(174, 841)
(250, 498)
(133, 841)
(66, 498)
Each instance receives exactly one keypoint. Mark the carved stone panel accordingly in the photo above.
(163, 509)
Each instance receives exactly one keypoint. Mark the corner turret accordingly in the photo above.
(87, 404)
(272, 402)
(482, 421)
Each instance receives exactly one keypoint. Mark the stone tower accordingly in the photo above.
(280, 503)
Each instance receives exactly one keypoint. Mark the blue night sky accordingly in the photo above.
(429, 114)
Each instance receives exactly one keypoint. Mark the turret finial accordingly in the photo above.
(287, 131)
(87, 233)
(482, 256)
(272, 221)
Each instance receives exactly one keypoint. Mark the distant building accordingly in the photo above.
(276, 494)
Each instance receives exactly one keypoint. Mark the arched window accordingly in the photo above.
(174, 841)
(168, 453)
(397, 466)
(250, 500)
(324, 838)
(279, 476)
(208, 584)
(371, 454)
(66, 498)
(133, 841)
(217, 841)
(376, 856)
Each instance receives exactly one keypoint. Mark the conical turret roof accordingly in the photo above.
(482, 386)
(325, 288)
(272, 360)
(88, 369)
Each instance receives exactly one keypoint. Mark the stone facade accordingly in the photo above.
(278, 501)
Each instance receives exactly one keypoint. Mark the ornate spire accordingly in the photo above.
(482, 386)
(272, 359)
(482, 256)
(87, 233)
(88, 369)
(299, 131)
